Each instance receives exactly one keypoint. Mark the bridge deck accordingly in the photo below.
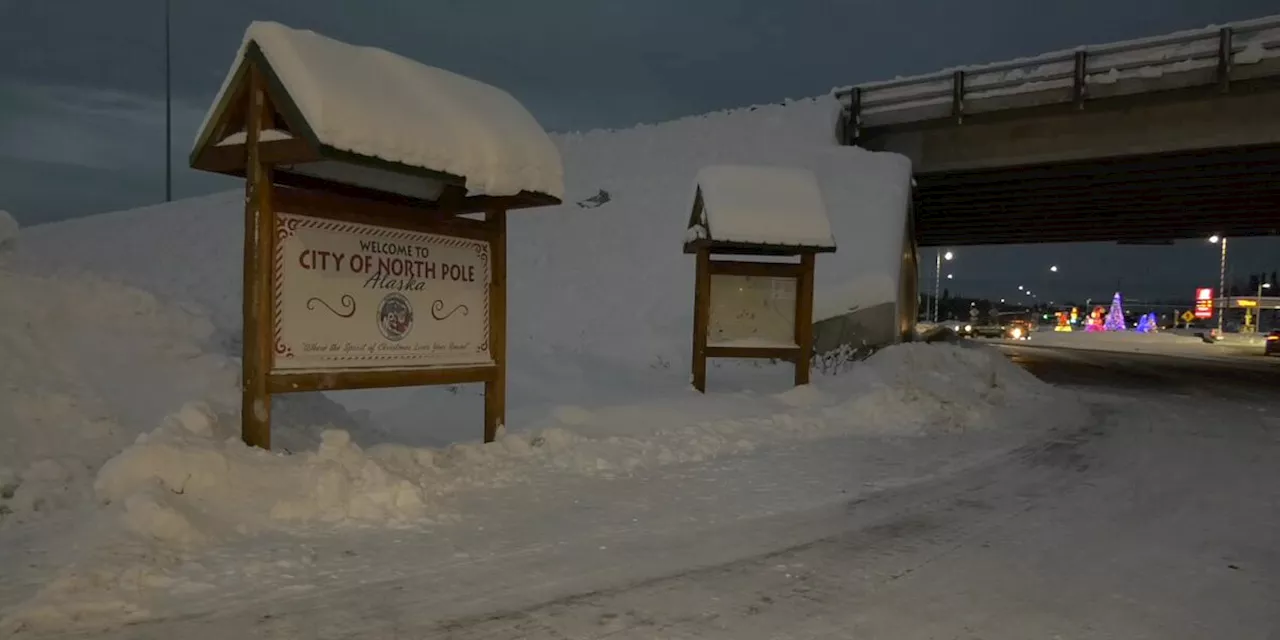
(1190, 194)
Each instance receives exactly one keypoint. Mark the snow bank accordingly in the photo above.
(191, 481)
(85, 366)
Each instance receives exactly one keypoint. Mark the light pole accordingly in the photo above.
(937, 278)
(1053, 268)
(1262, 284)
(168, 112)
(1222, 279)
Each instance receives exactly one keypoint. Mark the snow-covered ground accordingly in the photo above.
(127, 498)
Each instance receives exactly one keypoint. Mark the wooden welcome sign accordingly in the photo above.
(755, 308)
(364, 265)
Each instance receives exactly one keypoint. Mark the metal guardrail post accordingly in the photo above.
(957, 96)
(1224, 59)
(1080, 86)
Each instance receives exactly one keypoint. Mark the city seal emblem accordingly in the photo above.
(395, 317)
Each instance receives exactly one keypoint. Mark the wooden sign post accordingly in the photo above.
(755, 309)
(359, 272)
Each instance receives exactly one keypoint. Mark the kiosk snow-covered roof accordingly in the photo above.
(378, 121)
(758, 209)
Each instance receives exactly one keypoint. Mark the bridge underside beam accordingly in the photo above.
(1149, 197)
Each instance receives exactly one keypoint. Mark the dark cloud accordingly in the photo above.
(82, 84)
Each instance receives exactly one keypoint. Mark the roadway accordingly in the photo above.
(1242, 378)
(1157, 520)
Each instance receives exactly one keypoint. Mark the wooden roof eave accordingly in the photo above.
(754, 248)
(230, 159)
(300, 147)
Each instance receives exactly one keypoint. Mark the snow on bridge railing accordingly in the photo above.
(1213, 55)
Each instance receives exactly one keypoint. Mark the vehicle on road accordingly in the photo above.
(1014, 325)
(1272, 347)
(1019, 329)
(962, 329)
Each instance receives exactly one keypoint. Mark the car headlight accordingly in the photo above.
(1017, 333)
(968, 328)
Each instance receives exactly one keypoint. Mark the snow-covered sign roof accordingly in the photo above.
(383, 112)
(761, 207)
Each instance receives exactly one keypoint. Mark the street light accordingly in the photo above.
(1019, 287)
(1222, 279)
(168, 109)
(950, 276)
(1054, 268)
(937, 278)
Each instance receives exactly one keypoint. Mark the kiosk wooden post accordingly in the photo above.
(495, 388)
(755, 308)
(364, 267)
(259, 229)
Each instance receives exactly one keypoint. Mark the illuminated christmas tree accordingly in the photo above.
(1147, 324)
(1115, 317)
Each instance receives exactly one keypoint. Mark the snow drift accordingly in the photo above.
(89, 364)
(192, 481)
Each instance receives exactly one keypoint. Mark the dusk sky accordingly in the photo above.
(82, 84)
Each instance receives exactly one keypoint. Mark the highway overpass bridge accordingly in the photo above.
(1158, 139)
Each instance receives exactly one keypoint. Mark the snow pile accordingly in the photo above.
(958, 388)
(379, 104)
(8, 230)
(191, 481)
(80, 355)
(86, 366)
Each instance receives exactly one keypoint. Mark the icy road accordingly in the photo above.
(1159, 519)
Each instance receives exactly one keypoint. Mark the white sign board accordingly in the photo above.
(357, 296)
(752, 311)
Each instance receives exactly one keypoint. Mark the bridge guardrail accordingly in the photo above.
(1215, 55)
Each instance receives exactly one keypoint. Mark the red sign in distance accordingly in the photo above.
(1204, 303)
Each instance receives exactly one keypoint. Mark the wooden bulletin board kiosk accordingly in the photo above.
(759, 308)
(375, 236)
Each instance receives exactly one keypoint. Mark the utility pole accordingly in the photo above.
(168, 111)
(937, 282)
(1222, 285)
